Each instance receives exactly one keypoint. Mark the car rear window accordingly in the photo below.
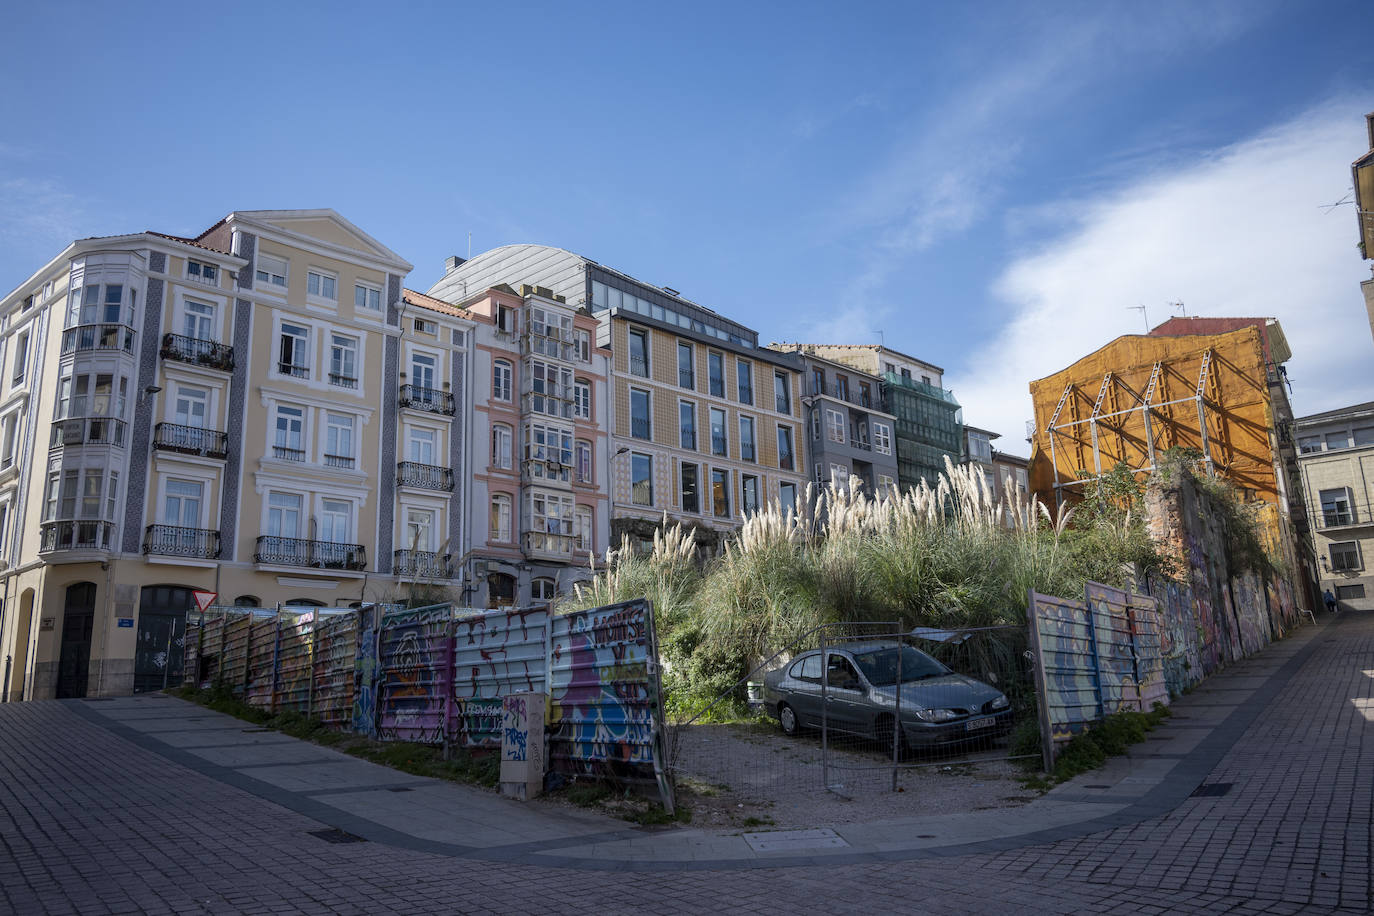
(807, 668)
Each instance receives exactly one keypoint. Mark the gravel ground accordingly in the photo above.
(751, 776)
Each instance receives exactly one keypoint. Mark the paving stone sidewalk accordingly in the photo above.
(147, 805)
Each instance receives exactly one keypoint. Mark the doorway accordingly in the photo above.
(78, 620)
(159, 650)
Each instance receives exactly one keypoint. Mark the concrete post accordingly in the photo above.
(522, 745)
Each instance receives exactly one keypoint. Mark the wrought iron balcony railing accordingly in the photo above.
(340, 461)
(195, 350)
(191, 440)
(639, 427)
(342, 381)
(98, 337)
(428, 476)
(430, 400)
(422, 564)
(174, 541)
(282, 551)
(86, 431)
(286, 453)
(76, 534)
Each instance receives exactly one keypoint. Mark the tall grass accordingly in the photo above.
(951, 555)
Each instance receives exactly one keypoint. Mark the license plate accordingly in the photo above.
(976, 724)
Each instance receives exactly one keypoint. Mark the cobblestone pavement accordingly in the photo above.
(93, 823)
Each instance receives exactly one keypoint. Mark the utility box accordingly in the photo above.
(522, 745)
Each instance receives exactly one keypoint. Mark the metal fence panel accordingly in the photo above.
(233, 664)
(1147, 641)
(260, 687)
(335, 651)
(495, 654)
(416, 667)
(1115, 658)
(190, 664)
(295, 648)
(605, 706)
(1070, 694)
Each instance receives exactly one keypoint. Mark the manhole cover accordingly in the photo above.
(335, 835)
(794, 840)
(1212, 789)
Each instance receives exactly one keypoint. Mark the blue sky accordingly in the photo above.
(991, 187)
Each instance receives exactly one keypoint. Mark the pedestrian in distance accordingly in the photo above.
(1330, 600)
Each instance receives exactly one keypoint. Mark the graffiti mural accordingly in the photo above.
(1115, 659)
(335, 654)
(1066, 666)
(415, 667)
(295, 643)
(495, 654)
(365, 675)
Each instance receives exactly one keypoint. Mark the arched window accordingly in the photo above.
(500, 529)
(501, 380)
(500, 590)
(583, 452)
(247, 601)
(501, 446)
(543, 589)
(582, 399)
(304, 602)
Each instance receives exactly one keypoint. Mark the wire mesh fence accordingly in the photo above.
(856, 710)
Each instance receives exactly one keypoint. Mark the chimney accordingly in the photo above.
(452, 263)
(1369, 123)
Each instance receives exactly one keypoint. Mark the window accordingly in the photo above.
(817, 381)
(419, 533)
(715, 366)
(815, 424)
(744, 381)
(501, 380)
(367, 297)
(338, 447)
(746, 439)
(582, 343)
(284, 515)
(550, 514)
(1345, 557)
(21, 358)
(782, 392)
(691, 497)
(321, 285)
(1349, 592)
(834, 425)
(1022, 481)
(294, 356)
(506, 319)
(1337, 440)
(8, 431)
(639, 353)
(1336, 508)
(906, 374)
(549, 451)
(290, 434)
(181, 503)
(551, 388)
(720, 492)
(749, 486)
(198, 320)
(422, 370)
(925, 379)
(550, 332)
(336, 516)
(882, 438)
(343, 361)
(839, 475)
(582, 529)
(582, 399)
(785, 458)
(500, 518)
(270, 270)
(686, 368)
(886, 484)
(501, 446)
(202, 272)
(842, 387)
(191, 406)
(420, 447)
(890, 367)
(687, 424)
(641, 479)
(1364, 435)
(639, 413)
(542, 589)
(720, 444)
(865, 394)
(1309, 444)
(583, 451)
(979, 447)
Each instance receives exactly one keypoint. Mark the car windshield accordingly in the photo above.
(880, 665)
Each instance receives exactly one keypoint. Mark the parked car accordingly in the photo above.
(938, 706)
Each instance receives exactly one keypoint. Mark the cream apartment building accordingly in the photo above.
(220, 413)
(540, 431)
(1336, 462)
(706, 423)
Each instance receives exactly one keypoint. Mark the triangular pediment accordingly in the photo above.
(325, 226)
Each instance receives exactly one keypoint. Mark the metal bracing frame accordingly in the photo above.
(1146, 406)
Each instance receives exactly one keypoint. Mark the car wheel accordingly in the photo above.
(788, 718)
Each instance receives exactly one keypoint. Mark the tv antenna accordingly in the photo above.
(1180, 307)
(1347, 199)
(1143, 314)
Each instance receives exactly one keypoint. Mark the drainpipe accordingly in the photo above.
(105, 629)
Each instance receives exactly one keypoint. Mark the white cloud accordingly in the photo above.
(1239, 231)
(40, 218)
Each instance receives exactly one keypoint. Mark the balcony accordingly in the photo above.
(639, 366)
(342, 381)
(173, 541)
(430, 400)
(280, 551)
(86, 431)
(639, 427)
(785, 460)
(862, 444)
(98, 337)
(286, 453)
(551, 345)
(422, 565)
(76, 535)
(342, 462)
(191, 440)
(548, 546)
(425, 476)
(294, 370)
(206, 353)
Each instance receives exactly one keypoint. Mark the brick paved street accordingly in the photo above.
(93, 820)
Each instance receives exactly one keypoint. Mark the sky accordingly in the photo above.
(996, 188)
